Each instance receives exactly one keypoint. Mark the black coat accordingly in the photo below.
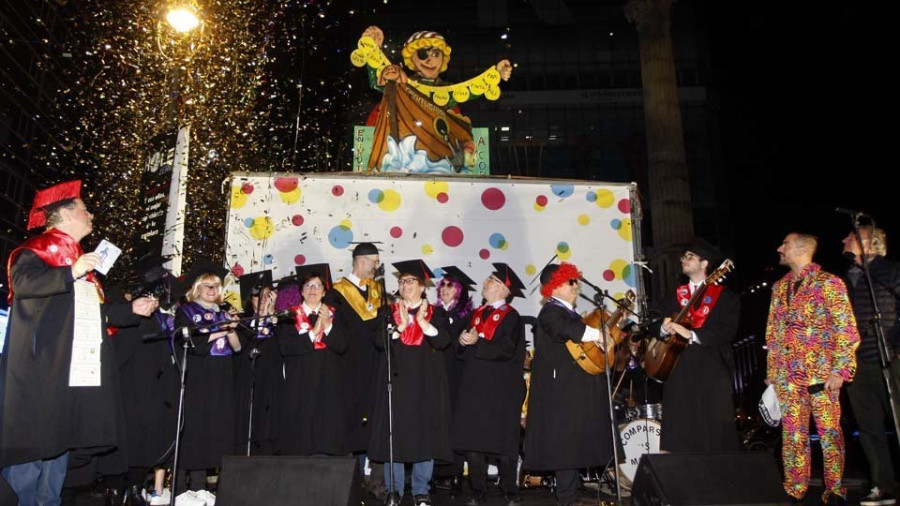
(421, 399)
(698, 403)
(491, 391)
(41, 416)
(313, 406)
(208, 404)
(454, 362)
(267, 378)
(568, 410)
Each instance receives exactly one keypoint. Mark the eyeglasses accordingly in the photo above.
(688, 257)
(446, 283)
(407, 281)
(425, 52)
(573, 282)
(315, 285)
(209, 286)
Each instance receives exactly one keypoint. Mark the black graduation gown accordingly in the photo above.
(313, 406)
(698, 398)
(454, 362)
(268, 374)
(360, 365)
(491, 391)
(208, 432)
(40, 415)
(150, 388)
(568, 411)
(421, 399)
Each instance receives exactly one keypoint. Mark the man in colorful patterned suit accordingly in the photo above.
(812, 339)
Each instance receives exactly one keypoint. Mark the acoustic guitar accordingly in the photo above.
(591, 357)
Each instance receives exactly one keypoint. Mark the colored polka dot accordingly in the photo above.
(247, 188)
(299, 259)
(583, 219)
(376, 196)
(563, 251)
(562, 190)
(497, 241)
(268, 259)
(391, 201)
(237, 270)
(435, 188)
(340, 237)
(484, 254)
(286, 184)
(452, 236)
(605, 198)
(238, 198)
(628, 275)
(297, 220)
(262, 228)
(291, 196)
(625, 206)
(427, 249)
(625, 230)
(591, 196)
(541, 200)
(615, 223)
(396, 232)
(618, 266)
(443, 197)
(337, 190)
(346, 223)
(530, 269)
(493, 198)
(248, 222)
(539, 208)
(609, 275)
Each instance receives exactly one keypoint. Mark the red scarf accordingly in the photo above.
(486, 328)
(57, 249)
(697, 315)
(412, 335)
(303, 325)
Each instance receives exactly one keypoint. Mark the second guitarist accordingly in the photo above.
(698, 406)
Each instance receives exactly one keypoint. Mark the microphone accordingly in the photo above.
(850, 212)
(379, 271)
(588, 283)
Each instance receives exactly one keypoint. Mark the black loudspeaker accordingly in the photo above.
(325, 481)
(706, 479)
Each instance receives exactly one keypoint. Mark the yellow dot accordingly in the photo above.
(390, 202)
(366, 44)
(291, 196)
(477, 87)
(262, 228)
(432, 188)
(346, 224)
(530, 269)
(605, 198)
(358, 58)
(617, 266)
(460, 94)
(564, 255)
(238, 197)
(625, 229)
(539, 208)
(427, 249)
(583, 219)
(492, 93)
(492, 77)
(441, 97)
(619, 295)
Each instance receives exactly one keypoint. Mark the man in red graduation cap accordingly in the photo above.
(58, 400)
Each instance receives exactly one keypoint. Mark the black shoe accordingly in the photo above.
(512, 499)
(877, 498)
(834, 500)
(422, 500)
(476, 499)
(392, 499)
(456, 486)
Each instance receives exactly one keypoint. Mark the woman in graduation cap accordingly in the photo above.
(209, 425)
(420, 400)
(312, 343)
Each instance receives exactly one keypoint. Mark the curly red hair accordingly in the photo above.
(563, 274)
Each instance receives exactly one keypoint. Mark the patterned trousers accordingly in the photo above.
(797, 404)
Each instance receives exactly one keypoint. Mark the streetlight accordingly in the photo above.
(182, 19)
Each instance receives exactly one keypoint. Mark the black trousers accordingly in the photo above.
(506, 464)
(567, 484)
(871, 408)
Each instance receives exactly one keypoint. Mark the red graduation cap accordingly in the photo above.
(43, 198)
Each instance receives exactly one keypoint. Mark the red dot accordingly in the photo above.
(443, 197)
(247, 188)
(625, 206)
(299, 259)
(237, 270)
(484, 254)
(337, 190)
(493, 198)
(541, 200)
(609, 275)
(396, 232)
(297, 220)
(452, 236)
(286, 184)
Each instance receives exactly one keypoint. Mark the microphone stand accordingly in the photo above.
(393, 498)
(254, 354)
(879, 328)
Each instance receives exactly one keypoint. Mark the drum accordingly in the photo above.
(638, 437)
(647, 411)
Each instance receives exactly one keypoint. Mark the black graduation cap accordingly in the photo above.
(200, 267)
(505, 274)
(364, 248)
(252, 283)
(704, 249)
(322, 271)
(415, 268)
(452, 271)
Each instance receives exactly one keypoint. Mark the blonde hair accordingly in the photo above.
(421, 40)
(877, 240)
(194, 293)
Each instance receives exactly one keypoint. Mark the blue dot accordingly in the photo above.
(591, 197)
(562, 190)
(248, 222)
(616, 223)
(268, 259)
(628, 275)
(497, 240)
(376, 196)
(438, 273)
(340, 237)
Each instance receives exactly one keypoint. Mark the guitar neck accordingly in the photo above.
(682, 315)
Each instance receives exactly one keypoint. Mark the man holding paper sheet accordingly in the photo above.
(59, 402)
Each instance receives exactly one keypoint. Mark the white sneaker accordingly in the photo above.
(207, 496)
(162, 499)
(189, 498)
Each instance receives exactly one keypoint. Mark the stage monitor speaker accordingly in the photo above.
(704, 479)
(325, 481)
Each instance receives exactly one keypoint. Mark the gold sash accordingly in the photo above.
(366, 309)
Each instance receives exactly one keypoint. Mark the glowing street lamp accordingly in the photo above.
(182, 19)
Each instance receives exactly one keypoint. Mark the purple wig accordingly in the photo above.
(288, 297)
